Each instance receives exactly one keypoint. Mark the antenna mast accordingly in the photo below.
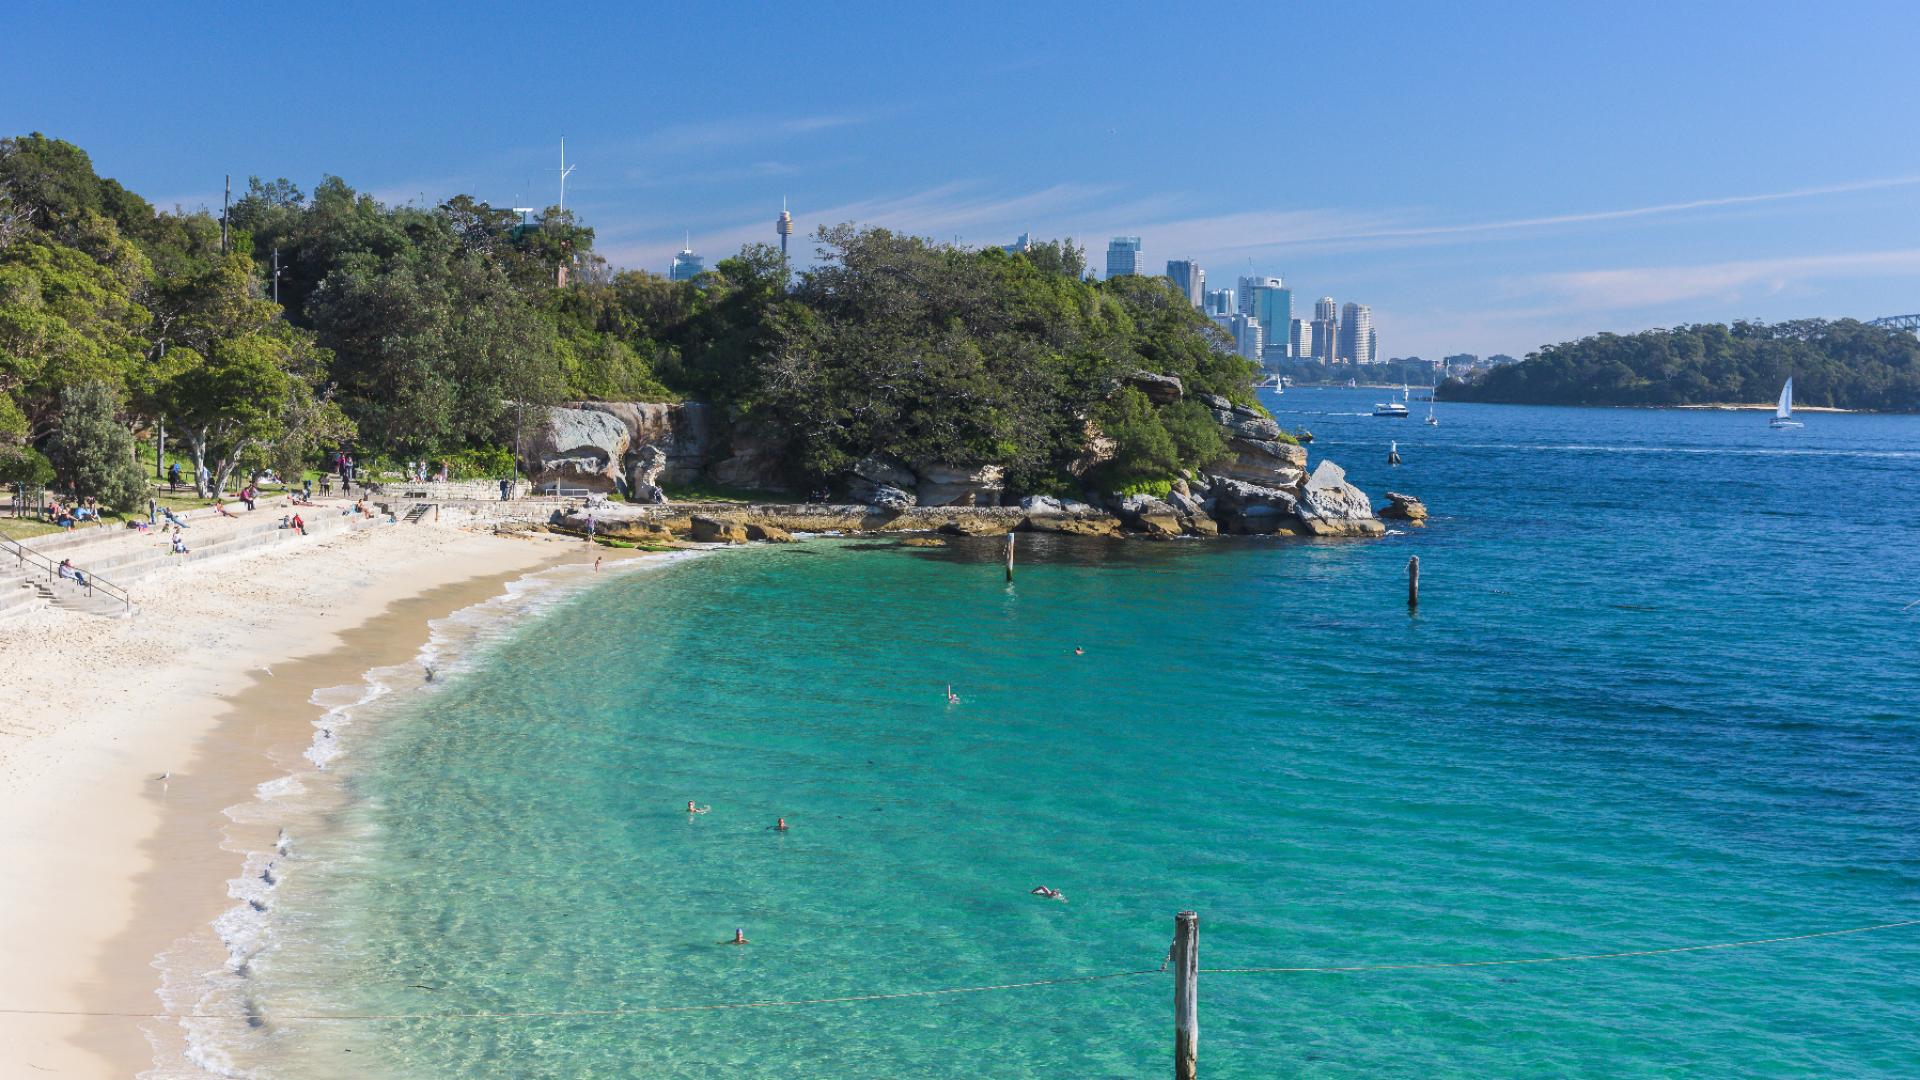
(565, 171)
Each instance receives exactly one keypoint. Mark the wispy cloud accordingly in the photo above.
(691, 138)
(1731, 281)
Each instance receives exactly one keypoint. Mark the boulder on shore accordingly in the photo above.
(885, 496)
(1146, 514)
(1329, 506)
(578, 448)
(1253, 509)
(1405, 508)
(768, 534)
(708, 530)
(643, 484)
(954, 485)
(980, 526)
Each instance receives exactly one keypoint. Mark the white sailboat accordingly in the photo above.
(1783, 412)
(1432, 420)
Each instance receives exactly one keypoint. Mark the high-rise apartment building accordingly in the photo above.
(1220, 302)
(1123, 256)
(1020, 246)
(1300, 341)
(1267, 300)
(1189, 279)
(1246, 334)
(1325, 325)
(1356, 334)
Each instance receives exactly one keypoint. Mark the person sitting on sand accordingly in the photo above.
(692, 809)
(299, 524)
(221, 509)
(172, 518)
(248, 494)
(72, 573)
(1049, 893)
(179, 544)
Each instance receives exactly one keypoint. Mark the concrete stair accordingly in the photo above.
(125, 556)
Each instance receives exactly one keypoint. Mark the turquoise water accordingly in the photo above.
(1661, 691)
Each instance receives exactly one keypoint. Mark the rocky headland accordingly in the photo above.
(1262, 486)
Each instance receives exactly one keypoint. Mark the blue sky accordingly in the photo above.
(1489, 177)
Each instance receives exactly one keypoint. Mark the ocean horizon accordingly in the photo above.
(1659, 693)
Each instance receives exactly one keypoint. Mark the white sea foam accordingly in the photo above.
(223, 1022)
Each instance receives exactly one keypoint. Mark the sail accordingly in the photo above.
(1785, 408)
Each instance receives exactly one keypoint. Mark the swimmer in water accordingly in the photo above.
(739, 937)
(780, 826)
(692, 809)
(1050, 893)
(952, 698)
(1078, 651)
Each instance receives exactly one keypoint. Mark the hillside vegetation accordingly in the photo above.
(1841, 364)
(424, 332)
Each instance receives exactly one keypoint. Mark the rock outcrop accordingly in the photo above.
(952, 485)
(1252, 509)
(1329, 506)
(1160, 389)
(755, 459)
(1256, 453)
(643, 481)
(579, 449)
(1405, 508)
(706, 530)
(1149, 515)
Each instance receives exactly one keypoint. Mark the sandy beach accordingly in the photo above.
(107, 866)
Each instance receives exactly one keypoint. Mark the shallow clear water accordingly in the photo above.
(1661, 691)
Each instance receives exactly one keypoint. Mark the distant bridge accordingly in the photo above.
(1898, 322)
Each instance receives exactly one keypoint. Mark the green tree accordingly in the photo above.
(91, 451)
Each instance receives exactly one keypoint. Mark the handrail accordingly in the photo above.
(22, 553)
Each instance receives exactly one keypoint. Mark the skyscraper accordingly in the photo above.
(1189, 279)
(1356, 334)
(1323, 330)
(1301, 340)
(1123, 256)
(686, 266)
(1247, 339)
(1220, 302)
(1266, 300)
(784, 226)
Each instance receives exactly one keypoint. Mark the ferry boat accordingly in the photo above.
(1392, 408)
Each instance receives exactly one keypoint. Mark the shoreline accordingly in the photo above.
(109, 868)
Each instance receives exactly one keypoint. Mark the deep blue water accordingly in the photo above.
(1663, 689)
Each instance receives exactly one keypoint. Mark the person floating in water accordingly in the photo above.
(739, 937)
(779, 826)
(1049, 892)
(692, 809)
(952, 698)
(1393, 452)
(1078, 651)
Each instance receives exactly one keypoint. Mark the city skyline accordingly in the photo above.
(1484, 219)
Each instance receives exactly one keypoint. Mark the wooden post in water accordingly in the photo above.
(1413, 583)
(1009, 558)
(1186, 994)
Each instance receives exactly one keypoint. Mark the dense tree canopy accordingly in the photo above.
(1842, 364)
(421, 331)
